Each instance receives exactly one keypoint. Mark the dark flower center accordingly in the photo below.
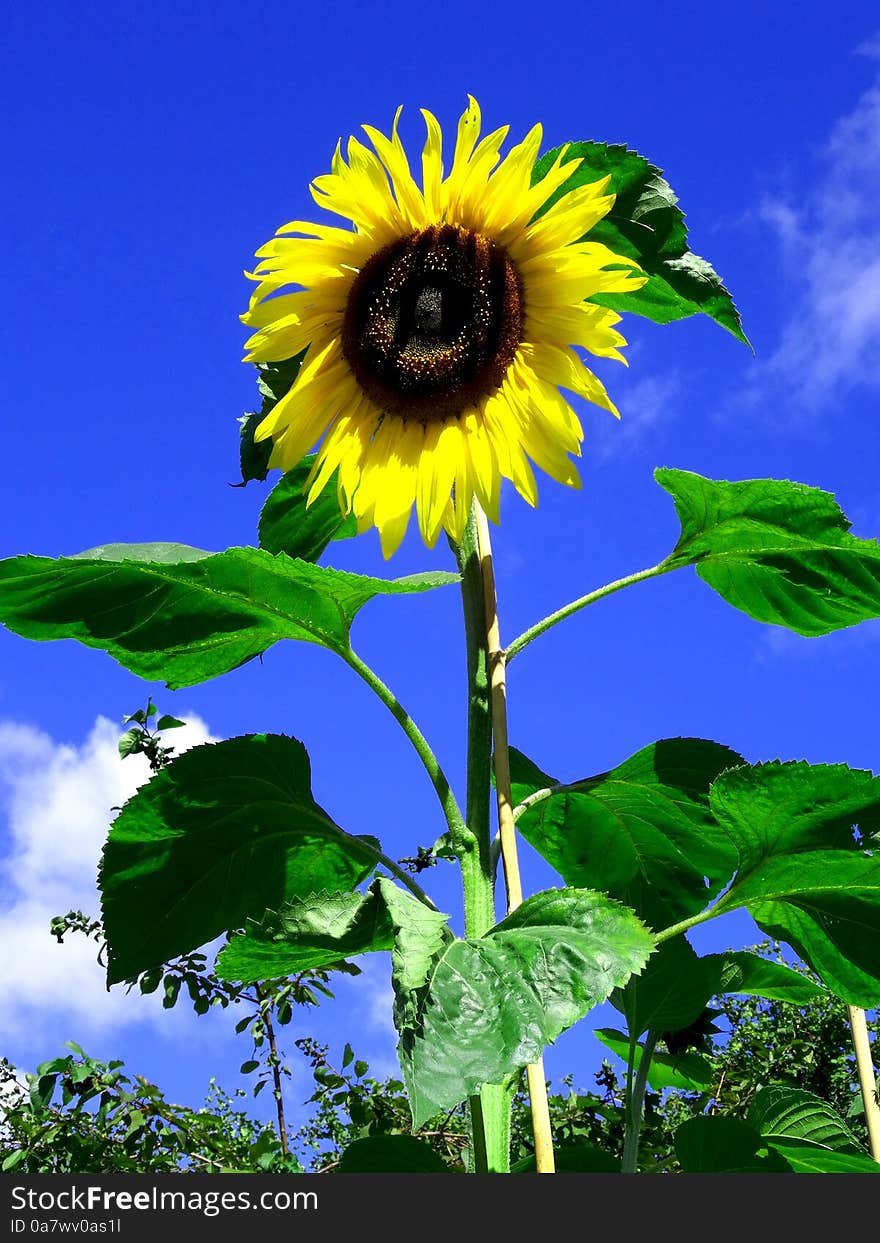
(433, 322)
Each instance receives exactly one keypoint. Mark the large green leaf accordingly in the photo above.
(184, 616)
(739, 971)
(779, 1112)
(812, 1160)
(642, 832)
(721, 1145)
(225, 832)
(288, 524)
(670, 992)
(646, 225)
(308, 933)
(801, 871)
(469, 1012)
(781, 552)
(391, 1154)
(687, 1072)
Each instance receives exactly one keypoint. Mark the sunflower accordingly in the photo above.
(439, 329)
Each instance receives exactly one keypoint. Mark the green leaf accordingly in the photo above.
(223, 833)
(169, 722)
(470, 1012)
(308, 933)
(686, 1072)
(288, 525)
(739, 971)
(130, 742)
(779, 1112)
(801, 873)
(273, 380)
(646, 225)
(574, 1159)
(391, 1154)
(187, 616)
(781, 552)
(671, 991)
(642, 832)
(722, 1145)
(253, 456)
(248, 1068)
(812, 1160)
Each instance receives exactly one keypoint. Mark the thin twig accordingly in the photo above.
(544, 1159)
(275, 1063)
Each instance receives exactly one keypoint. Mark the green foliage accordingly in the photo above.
(469, 1012)
(741, 971)
(144, 738)
(801, 871)
(273, 380)
(783, 1113)
(182, 615)
(687, 1072)
(223, 833)
(390, 1154)
(288, 525)
(78, 1115)
(786, 1130)
(646, 225)
(314, 931)
(781, 552)
(670, 993)
(642, 832)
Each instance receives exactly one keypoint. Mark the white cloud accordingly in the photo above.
(56, 804)
(58, 800)
(830, 240)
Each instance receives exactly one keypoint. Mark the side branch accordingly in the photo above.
(459, 834)
(569, 610)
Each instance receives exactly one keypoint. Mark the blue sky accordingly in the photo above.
(148, 153)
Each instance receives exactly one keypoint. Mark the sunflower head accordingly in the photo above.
(439, 329)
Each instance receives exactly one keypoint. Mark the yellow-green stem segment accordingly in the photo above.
(544, 1159)
(490, 1110)
(868, 1084)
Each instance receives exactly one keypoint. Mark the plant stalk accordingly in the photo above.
(575, 606)
(867, 1082)
(544, 1159)
(635, 1102)
(459, 834)
(490, 1110)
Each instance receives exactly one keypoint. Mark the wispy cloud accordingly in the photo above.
(644, 405)
(830, 241)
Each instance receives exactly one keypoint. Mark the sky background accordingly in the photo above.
(148, 152)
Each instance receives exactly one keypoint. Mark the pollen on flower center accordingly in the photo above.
(433, 322)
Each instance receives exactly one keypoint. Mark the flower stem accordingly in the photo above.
(544, 1159)
(490, 1110)
(477, 873)
(575, 606)
(459, 834)
(635, 1102)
